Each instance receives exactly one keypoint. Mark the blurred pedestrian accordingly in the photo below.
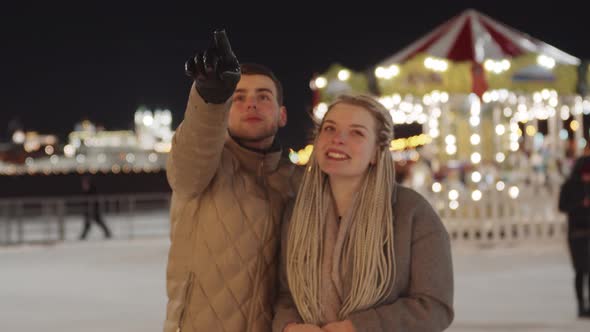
(92, 209)
(574, 199)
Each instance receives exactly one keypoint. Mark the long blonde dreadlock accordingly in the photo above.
(369, 246)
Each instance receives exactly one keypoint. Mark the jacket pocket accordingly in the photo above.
(185, 300)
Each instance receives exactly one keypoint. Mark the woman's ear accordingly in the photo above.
(374, 159)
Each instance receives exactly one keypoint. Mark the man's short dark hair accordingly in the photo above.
(257, 69)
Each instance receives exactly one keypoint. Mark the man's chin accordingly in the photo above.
(252, 137)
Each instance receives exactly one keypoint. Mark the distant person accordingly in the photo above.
(574, 199)
(92, 211)
(230, 185)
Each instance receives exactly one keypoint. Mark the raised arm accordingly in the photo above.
(198, 141)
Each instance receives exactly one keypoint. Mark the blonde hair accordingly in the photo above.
(369, 246)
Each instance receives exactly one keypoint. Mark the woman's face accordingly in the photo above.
(346, 143)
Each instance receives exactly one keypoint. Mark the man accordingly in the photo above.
(230, 187)
(92, 210)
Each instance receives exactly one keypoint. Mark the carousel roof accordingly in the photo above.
(473, 36)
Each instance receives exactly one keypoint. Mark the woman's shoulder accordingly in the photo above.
(408, 197)
(411, 207)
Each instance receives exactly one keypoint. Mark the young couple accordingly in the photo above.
(258, 244)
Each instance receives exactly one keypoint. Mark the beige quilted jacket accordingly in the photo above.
(226, 208)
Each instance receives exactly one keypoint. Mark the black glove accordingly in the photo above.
(216, 71)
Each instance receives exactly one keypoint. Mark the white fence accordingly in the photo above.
(499, 218)
(495, 218)
(51, 219)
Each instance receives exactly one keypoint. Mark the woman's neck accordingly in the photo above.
(343, 190)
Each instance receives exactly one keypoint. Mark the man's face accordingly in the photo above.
(255, 115)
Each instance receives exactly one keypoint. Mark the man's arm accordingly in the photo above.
(197, 145)
(198, 141)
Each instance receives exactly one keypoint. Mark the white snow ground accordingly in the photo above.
(119, 285)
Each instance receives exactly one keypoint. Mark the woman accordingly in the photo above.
(359, 252)
(574, 199)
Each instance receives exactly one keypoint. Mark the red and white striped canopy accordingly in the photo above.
(473, 36)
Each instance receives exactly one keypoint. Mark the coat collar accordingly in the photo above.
(256, 161)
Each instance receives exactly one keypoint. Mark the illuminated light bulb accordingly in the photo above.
(49, 150)
(321, 82)
(451, 149)
(434, 132)
(343, 75)
(476, 177)
(320, 110)
(475, 157)
(153, 157)
(545, 61)
(436, 187)
(513, 192)
(450, 140)
(476, 195)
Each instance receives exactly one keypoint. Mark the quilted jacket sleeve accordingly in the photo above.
(197, 146)
(285, 311)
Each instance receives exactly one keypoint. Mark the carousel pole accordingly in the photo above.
(497, 138)
(582, 90)
(579, 132)
(553, 134)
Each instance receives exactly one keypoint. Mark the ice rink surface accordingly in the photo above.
(119, 285)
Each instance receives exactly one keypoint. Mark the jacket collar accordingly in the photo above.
(261, 162)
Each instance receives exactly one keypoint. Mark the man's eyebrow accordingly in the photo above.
(242, 90)
(265, 90)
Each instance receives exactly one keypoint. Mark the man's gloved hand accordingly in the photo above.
(216, 71)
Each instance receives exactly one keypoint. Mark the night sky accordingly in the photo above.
(62, 64)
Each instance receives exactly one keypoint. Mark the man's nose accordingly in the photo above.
(251, 102)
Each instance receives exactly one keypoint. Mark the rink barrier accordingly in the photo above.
(48, 219)
(497, 217)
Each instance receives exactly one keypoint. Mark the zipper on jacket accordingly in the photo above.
(187, 291)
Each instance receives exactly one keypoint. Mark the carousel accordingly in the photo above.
(489, 118)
